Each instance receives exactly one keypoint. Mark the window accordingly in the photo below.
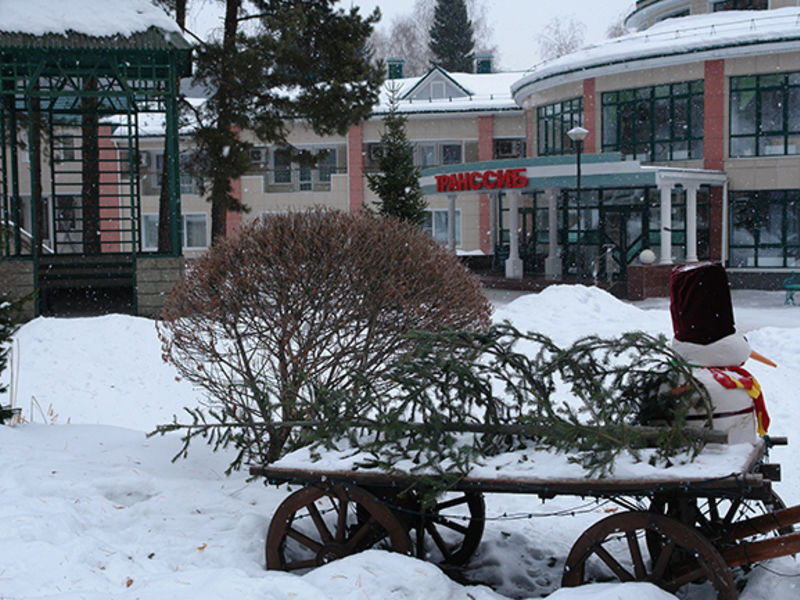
(764, 229)
(437, 89)
(765, 115)
(188, 183)
(282, 166)
(658, 123)
(509, 148)
(554, 121)
(195, 231)
(436, 222)
(720, 5)
(431, 154)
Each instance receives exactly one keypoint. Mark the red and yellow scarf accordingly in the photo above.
(741, 379)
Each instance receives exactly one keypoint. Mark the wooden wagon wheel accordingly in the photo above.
(615, 548)
(454, 525)
(455, 536)
(316, 525)
(714, 517)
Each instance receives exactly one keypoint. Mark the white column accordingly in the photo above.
(552, 264)
(451, 221)
(666, 223)
(691, 221)
(513, 262)
(493, 221)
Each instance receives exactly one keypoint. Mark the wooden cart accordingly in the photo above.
(690, 530)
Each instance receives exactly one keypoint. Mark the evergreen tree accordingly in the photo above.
(397, 183)
(452, 40)
(306, 62)
(10, 310)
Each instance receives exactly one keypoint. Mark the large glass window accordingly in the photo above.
(436, 223)
(765, 226)
(554, 121)
(765, 115)
(720, 5)
(658, 123)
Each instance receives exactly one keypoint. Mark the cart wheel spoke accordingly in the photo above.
(664, 554)
(451, 503)
(304, 539)
(352, 543)
(452, 525)
(319, 523)
(612, 564)
(639, 568)
(693, 575)
(440, 543)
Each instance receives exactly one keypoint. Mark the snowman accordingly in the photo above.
(705, 336)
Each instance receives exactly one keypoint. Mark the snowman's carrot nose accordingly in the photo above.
(761, 358)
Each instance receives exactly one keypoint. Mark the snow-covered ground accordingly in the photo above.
(92, 509)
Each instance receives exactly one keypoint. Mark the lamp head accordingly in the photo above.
(577, 134)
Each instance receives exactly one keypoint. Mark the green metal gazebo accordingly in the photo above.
(69, 108)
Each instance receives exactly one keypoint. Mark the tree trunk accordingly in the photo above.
(90, 153)
(164, 214)
(220, 183)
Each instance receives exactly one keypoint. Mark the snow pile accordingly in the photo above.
(95, 510)
(91, 17)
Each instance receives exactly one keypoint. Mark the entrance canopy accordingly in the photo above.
(511, 178)
(531, 174)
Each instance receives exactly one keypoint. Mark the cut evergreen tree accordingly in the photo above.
(397, 183)
(10, 313)
(306, 62)
(452, 40)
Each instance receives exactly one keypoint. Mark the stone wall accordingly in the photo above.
(155, 277)
(16, 278)
(648, 281)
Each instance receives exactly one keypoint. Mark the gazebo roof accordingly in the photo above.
(88, 24)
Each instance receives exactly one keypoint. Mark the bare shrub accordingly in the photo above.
(300, 302)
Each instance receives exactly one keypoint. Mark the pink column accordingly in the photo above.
(355, 167)
(714, 145)
(485, 152)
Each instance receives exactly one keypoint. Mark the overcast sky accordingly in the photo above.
(516, 23)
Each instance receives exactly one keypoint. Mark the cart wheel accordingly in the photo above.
(316, 525)
(713, 517)
(614, 549)
(455, 524)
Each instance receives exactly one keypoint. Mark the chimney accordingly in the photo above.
(483, 63)
(395, 67)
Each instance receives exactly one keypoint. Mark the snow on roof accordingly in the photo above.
(489, 91)
(99, 18)
(676, 36)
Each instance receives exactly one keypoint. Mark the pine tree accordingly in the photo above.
(306, 63)
(452, 40)
(397, 183)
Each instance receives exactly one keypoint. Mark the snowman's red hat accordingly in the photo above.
(700, 303)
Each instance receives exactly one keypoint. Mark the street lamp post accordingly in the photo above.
(577, 135)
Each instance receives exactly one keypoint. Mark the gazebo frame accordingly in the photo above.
(69, 126)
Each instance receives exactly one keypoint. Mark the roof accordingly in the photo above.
(107, 24)
(721, 32)
(484, 92)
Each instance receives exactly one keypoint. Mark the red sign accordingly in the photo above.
(477, 180)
